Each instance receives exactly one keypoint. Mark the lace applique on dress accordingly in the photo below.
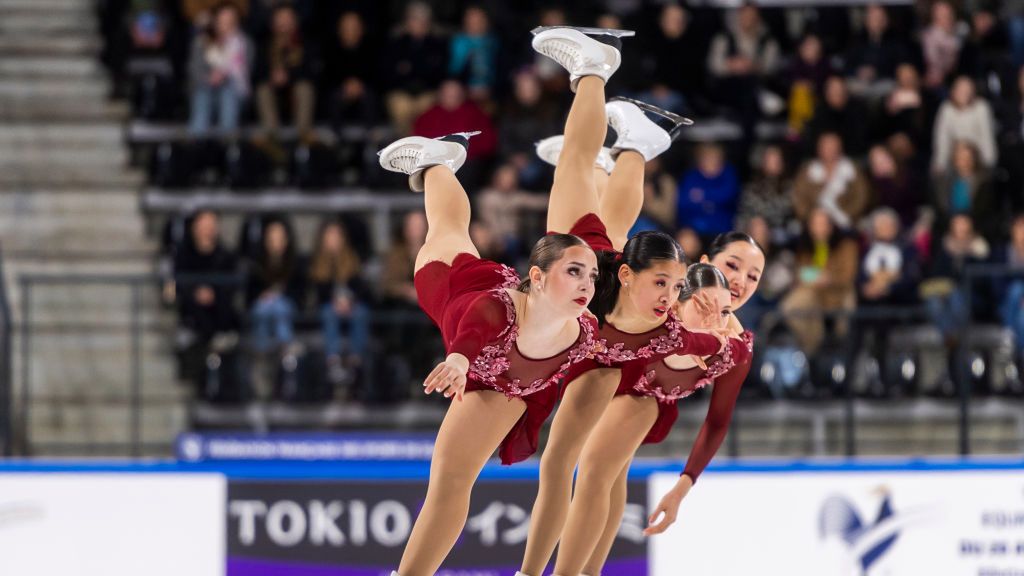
(658, 345)
(718, 366)
(492, 365)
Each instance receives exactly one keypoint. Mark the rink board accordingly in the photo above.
(870, 518)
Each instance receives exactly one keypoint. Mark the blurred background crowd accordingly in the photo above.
(875, 151)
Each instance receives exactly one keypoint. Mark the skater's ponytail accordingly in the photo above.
(700, 276)
(547, 251)
(644, 250)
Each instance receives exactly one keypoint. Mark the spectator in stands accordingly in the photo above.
(204, 304)
(965, 116)
(888, 270)
(878, 49)
(906, 108)
(691, 243)
(805, 77)
(826, 260)
(708, 193)
(412, 67)
(739, 59)
(396, 277)
(334, 273)
(284, 75)
(660, 191)
(149, 24)
(276, 289)
(895, 186)
(831, 182)
(1012, 142)
(1012, 13)
(455, 113)
(941, 291)
(776, 279)
(940, 44)
(526, 119)
(219, 71)
(349, 74)
(984, 52)
(673, 81)
(474, 54)
(965, 187)
(843, 114)
(1009, 291)
(768, 197)
(548, 71)
(505, 209)
(202, 11)
(489, 245)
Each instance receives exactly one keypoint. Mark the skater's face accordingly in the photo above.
(692, 317)
(742, 264)
(569, 282)
(652, 290)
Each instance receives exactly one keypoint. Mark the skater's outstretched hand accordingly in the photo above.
(448, 377)
(722, 334)
(668, 508)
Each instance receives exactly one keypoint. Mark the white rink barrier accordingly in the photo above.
(122, 524)
(935, 522)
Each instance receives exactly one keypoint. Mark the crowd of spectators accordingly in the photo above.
(879, 149)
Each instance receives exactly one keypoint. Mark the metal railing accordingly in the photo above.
(846, 407)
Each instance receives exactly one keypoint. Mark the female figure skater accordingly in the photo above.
(499, 334)
(640, 279)
(643, 411)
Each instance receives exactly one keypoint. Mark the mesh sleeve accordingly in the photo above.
(486, 320)
(716, 423)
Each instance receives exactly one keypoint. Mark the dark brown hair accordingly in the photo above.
(640, 253)
(549, 250)
(699, 276)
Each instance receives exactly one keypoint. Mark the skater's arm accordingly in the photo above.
(716, 423)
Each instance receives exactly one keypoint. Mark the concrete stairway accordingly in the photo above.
(69, 205)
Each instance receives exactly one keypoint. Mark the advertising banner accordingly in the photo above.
(304, 447)
(112, 524)
(857, 523)
(359, 528)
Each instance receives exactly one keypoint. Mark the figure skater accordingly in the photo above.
(499, 333)
(643, 412)
(640, 278)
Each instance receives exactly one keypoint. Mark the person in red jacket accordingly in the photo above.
(455, 113)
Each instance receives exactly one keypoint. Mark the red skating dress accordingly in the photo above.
(468, 301)
(619, 347)
(668, 385)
